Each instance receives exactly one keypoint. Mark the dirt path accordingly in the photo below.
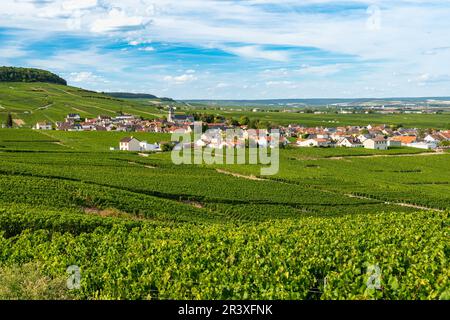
(402, 204)
(145, 112)
(79, 110)
(67, 92)
(143, 165)
(237, 175)
(44, 107)
(103, 109)
(56, 142)
(436, 153)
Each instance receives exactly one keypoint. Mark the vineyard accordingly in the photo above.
(144, 228)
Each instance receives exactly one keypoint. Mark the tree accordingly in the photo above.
(11, 74)
(244, 120)
(264, 125)
(9, 121)
(253, 124)
(166, 146)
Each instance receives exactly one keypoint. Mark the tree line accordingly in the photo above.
(12, 74)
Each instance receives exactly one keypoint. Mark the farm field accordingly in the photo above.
(438, 121)
(144, 228)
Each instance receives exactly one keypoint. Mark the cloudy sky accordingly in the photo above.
(224, 49)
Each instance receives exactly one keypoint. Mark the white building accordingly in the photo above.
(350, 143)
(376, 144)
(394, 143)
(423, 145)
(43, 126)
(130, 144)
(149, 146)
(314, 143)
(73, 117)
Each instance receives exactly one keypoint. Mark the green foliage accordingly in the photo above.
(166, 146)
(11, 74)
(144, 228)
(244, 120)
(314, 258)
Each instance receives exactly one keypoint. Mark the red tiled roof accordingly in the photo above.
(405, 139)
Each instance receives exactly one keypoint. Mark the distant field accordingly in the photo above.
(438, 121)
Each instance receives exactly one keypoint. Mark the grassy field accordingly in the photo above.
(144, 228)
(438, 121)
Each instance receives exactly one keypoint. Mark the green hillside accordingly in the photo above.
(33, 102)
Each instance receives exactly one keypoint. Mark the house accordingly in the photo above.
(130, 144)
(43, 126)
(64, 126)
(394, 143)
(423, 145)
(313, 143)
(350, 143)
(73, 117)
(76, 127)
(124, 117)
(144, 146)
(376, 143)
(364, 137)
(433, 138)
(445, 135)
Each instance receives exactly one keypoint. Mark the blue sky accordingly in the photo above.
(224, 49)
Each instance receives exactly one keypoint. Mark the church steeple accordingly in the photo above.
(171, 114)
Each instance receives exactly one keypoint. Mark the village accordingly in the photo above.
(377, 137)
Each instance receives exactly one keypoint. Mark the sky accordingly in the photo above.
(229, 49)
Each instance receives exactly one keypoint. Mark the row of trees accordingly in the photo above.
(12, 74)
(242, 121)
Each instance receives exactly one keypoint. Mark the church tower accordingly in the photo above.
(170, 117)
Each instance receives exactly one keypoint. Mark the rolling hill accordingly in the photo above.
(37, 101)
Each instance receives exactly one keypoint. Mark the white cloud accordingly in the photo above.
(257, 52)
(324, 70)
(118, 20)
(405, 36)
(148, 49)
(180, 79)
(83, 77)
(222, 85)
(79, 4)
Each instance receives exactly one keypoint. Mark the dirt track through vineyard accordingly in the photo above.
(402, 204)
